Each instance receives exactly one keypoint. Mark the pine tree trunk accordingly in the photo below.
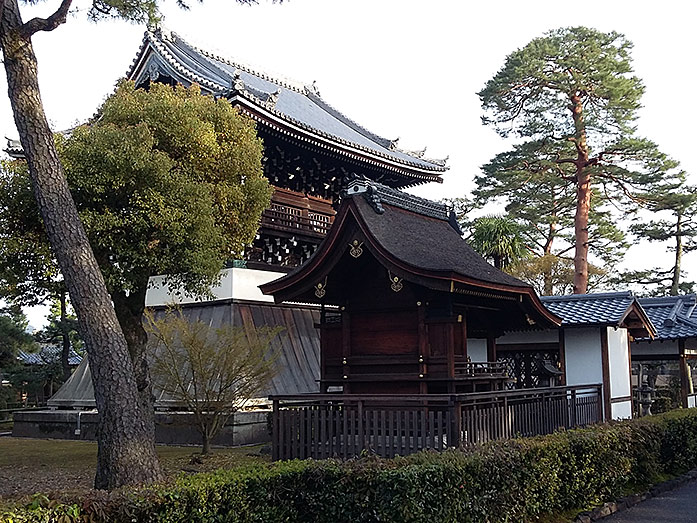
(65, 335)
(675, 286)
(583, 199)
(126, 451)
(129, 311)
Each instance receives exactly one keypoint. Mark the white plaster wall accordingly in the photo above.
(618, 356)
(476, 350)
(650, 348)
(241, 284)
(546, 336)
(621, 410)
(584, 365)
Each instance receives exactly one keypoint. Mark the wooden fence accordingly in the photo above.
(336, 425)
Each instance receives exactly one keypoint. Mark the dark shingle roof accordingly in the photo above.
(297, 348)
(294, 103)
(47, 354)
(606, 308)
(421, 233)
(674, 316)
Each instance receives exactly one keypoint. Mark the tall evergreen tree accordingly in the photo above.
(678, 227)
(541, 198)
(571, 97)
(126, 452)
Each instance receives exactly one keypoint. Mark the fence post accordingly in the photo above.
(456, 426)
(573, 409)
(361, 426)
(601, 406)
(275, 429)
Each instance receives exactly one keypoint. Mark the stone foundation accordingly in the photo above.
(172, 428)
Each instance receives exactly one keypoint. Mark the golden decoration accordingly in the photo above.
(321, 289)
(356, 248)
(396, 284)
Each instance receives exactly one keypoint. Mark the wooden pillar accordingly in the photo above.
(684, 383)
(605, 358)
(491, 348)
(424, 352)
(450, 353)
(346, 348)
(562, 355)
(463, 325)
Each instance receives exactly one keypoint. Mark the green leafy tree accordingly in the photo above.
(498, 239)
(214, 372)
(166, 181)
(126, 426)
(61, 330)
(13, 336)
(541, 198)
(572, 99)
(554, 275)
(678, 225)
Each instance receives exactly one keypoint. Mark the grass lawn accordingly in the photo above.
(41, 465)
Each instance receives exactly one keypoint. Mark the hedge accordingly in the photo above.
(515, 480)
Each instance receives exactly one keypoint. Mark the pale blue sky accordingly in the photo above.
(399, 67)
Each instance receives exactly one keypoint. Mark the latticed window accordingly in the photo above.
(526, 366)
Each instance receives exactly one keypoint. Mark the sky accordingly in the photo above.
(401, 68)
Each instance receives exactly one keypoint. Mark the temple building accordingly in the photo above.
(401, 293)
(311, 150)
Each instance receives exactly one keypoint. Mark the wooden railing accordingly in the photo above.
(486, 368)
(293, 213)
(337, 425)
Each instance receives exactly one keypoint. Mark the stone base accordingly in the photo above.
(172, 428)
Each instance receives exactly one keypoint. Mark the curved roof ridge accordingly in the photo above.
(282, 81)
(316, 98)
(175, 52)
(177, 65)
(589, 296)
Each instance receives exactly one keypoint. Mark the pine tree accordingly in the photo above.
(572, 98)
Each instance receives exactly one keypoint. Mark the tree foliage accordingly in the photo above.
(498, 239)
(13, 335)
(126, 451)
(674, 222)
(167, 181)
(572, 98)
(214, 372)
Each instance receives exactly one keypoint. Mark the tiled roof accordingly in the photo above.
(606, 308)
(47, 354)
(296, 348)
(674, 316)
(291, 102)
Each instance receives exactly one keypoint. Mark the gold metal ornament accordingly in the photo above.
(396, 284)
(356, 248)
(321, 289)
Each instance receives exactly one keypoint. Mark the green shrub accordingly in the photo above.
(514, 480)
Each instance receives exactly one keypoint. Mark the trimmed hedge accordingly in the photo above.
(503, 481)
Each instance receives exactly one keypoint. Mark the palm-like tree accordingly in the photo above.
(498, 239)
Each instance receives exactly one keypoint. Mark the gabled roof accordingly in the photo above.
(294, 109)
(675, 317)
(47, 354)
(296, 347)
(613, 309)
(417, 240)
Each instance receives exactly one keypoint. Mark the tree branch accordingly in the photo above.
(46, 24)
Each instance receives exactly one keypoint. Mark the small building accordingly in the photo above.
(591, 346)
(664, 366)
(401, 294)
